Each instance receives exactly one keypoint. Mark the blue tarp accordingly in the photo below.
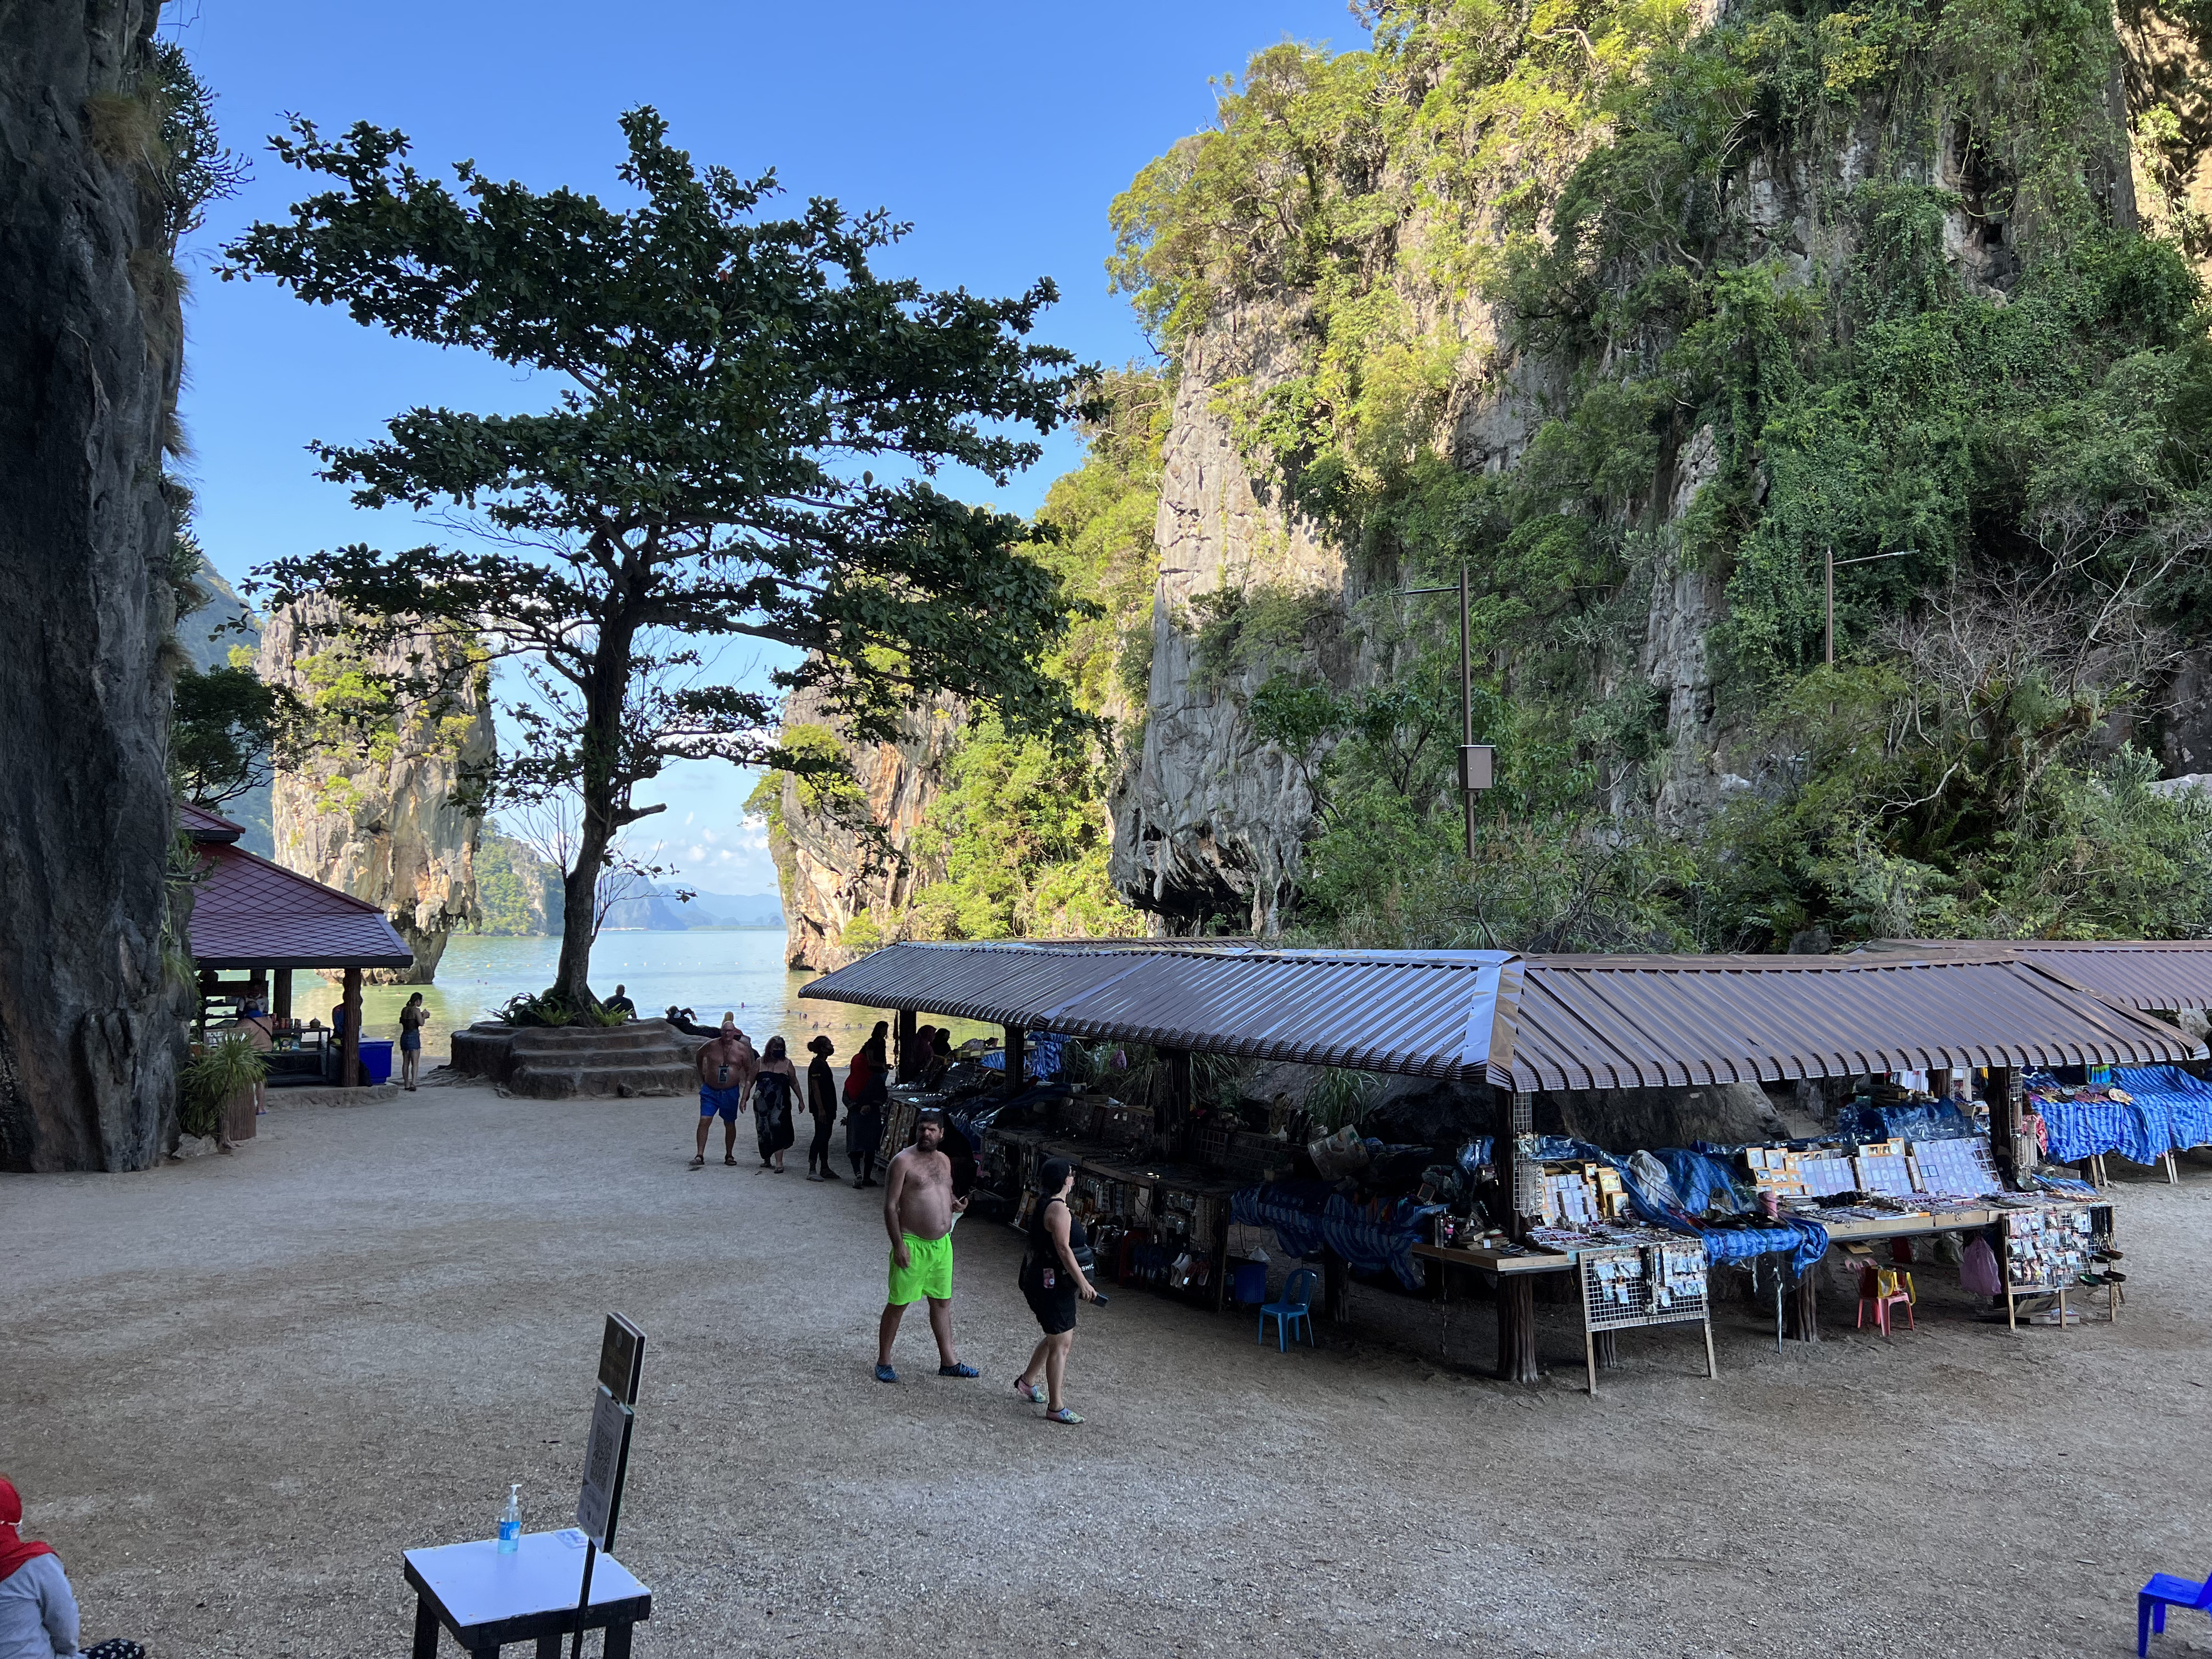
(1311, 1215)
(1042, 1055)
(2169, 1109)
(1940, 1120)
(1803, 1242)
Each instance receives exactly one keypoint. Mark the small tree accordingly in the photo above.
(724, 382)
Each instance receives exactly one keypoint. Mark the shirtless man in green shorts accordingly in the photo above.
(918, 1211)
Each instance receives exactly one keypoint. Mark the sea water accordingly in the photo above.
(710, 970)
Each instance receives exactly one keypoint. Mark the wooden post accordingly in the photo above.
(1804, 1307)
(1171, 1115)
(350, 1046)
(280, 1006)
(1606, 1347)
(2013, 1160)
(1516, 1292)
(903, 1048)
(1017, 1057)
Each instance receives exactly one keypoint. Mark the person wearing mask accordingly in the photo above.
(38, 1609)
(774, 1087)
(821, 1102)
(1053, 1280)
(867, 1087)
(412, 1019)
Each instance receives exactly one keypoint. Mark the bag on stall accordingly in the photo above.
(1978, 1270)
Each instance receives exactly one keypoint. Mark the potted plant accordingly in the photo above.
(218, 1089)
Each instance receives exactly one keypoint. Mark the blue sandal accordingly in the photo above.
(958, 1370)
(885, 1374)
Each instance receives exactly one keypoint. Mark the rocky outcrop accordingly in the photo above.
(381, 811)
(90, 350)
(1208, 824)
(596, 1062)
(844, 861)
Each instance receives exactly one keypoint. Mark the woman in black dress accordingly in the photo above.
(774, 1086)
(822, 1102)
(1052, 1280)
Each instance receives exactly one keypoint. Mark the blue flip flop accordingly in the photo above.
(885, 1374)
(958, 1370)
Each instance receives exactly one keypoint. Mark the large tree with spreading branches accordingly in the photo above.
(728, 386)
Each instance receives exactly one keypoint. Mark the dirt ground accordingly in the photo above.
(239, 1386)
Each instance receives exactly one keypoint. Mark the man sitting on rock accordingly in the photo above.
(619, 1003)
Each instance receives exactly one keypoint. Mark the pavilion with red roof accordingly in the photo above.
(249, 914)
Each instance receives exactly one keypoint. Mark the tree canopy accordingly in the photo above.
(727, 385)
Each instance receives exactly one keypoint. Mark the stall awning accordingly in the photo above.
(1541, 1023)
(249, 912)
(2151, 974)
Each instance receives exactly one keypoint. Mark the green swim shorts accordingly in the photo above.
(930, 1274)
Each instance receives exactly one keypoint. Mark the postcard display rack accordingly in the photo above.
(1645, 1284)
(2046, 1251)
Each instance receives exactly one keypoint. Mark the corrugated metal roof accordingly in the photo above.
(1542, 1023)
(1597, 1022)
(249, 912)
(2150, 974)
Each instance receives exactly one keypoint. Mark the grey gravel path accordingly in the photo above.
(236, 1388)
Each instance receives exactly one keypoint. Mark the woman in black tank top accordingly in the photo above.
(1054, 1277)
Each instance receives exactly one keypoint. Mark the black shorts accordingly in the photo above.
(1054, 1308)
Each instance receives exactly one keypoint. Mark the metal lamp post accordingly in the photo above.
(1477, 762)
(1832, 562)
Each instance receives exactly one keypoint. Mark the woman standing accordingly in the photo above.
(867, 1086)
(822, 1102)
(1052, 1280)
(775, 1087)
(410, 1039)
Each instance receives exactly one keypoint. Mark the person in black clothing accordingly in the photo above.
(822, 1102)
(619, 1003)
(1053, 1278)
(775, 1087)
(863, 1123)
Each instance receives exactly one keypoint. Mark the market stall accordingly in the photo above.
(1516, 1027)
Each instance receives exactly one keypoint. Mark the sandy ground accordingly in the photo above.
(239, 1386)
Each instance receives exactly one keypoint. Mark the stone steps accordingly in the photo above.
(607, 1062)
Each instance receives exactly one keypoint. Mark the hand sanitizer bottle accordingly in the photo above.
(510, 1520)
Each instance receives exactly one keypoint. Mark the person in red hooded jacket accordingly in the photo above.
(38, 1610)
(867, 1086)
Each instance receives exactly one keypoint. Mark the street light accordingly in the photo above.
(1477, 762)
(1832, 562)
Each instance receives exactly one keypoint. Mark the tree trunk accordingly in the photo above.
(1803, 1319)
(605, 810)
(1517, 1328)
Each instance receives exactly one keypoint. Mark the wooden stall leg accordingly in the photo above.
(1335, 1288)
(548, 1645)
(618, 1641)
(1590, 1359)
(1516, 1329)
(1607, 1349)
(1804, 1309)
(426, 1629)
(1017, 1058)
(1712, 1365)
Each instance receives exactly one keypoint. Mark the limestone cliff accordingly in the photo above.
(844, 856)
(1345, 287)
(381, 812)
(90, 351)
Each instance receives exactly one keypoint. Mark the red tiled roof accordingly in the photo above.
(249, 912)
(204, 825)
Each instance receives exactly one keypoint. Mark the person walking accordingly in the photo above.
(919, 1211)
(1053, 1278)
(38, 1609)
(725, 1071)
(821, 1102)
(867, 1087)
(411, 1018)
(775, 1088)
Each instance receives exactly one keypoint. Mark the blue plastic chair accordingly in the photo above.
(2165, 1591)
(1297, 1296)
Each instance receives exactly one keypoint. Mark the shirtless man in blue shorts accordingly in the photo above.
(726, 1065)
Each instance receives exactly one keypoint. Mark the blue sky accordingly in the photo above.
(1000, 131)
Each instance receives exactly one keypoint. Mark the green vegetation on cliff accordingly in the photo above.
(1815, 278)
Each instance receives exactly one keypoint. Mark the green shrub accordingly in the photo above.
(213, 1077)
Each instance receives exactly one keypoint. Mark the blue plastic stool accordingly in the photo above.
(1297, 1296)
(2165, 1591)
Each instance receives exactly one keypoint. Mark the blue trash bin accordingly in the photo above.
(376, 1061)
(1248, 1284)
